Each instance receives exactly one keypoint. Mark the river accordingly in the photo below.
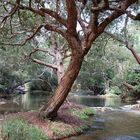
(115, 124)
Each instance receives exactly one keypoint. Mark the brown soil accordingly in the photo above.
(63, 126)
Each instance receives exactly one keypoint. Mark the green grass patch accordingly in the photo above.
(61, 129)
(81, 128)
(19, 129)
(82, 113)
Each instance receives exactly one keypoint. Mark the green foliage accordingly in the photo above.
(46, 82)
(133, 78)
(82, 114)
(108, 65)
(8, 78)
(82, 128)
(62, 133)
(66, 129)
(19, 129)
(61, 129)
(115, 90)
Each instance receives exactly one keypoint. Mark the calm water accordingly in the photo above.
(114, 125)
(96, 101)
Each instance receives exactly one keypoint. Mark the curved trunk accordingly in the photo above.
(50, 109)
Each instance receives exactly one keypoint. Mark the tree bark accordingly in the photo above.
(135, 54)
(60, 66)
(50, 109)
(128, 86)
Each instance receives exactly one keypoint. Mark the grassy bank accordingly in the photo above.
(72, 120)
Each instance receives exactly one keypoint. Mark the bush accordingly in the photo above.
(133, 77)
(115, 90)
(19, 129)
(46, 82)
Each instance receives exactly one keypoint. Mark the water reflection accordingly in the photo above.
(31, 102)
(96, 101)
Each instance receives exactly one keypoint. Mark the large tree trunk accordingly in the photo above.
(50, 109)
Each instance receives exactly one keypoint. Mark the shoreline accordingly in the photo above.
(72, 120)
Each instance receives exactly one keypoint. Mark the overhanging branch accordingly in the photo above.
(46, 26)
(127, 44)
(54, 15)
(124, 5)
(26, 39)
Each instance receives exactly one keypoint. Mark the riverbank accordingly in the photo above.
(72, 120)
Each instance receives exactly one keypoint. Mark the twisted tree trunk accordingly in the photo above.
(50, 109)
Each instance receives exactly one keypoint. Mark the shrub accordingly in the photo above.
(19, 129)
(115, 90)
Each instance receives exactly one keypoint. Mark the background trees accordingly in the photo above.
(92, 17)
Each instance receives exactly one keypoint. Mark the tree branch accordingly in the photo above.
(124, 5)
(29, 56)
(43, 63)
(79, 16)
(101, 27)
(41, 50)
(54, 15)
(45, 51)
(43, 11)
(30, 3)
(26, 40)
(128, 13)
(135, 54)
(116, 38)
(72, 17)
(46, 26)
(127, 44)
(55, 29)
(12, 12)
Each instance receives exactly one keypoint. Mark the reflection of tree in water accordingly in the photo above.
(112, 102)
(30, 102)
(89, 100)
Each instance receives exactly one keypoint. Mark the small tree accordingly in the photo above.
(91, 16)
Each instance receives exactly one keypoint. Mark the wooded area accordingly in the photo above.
(66, 31)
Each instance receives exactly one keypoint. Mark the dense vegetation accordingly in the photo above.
(60, 40)
(56, 46)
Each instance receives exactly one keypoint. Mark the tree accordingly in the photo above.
(58, 52)
(92, 16)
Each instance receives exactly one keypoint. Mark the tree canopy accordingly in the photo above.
(79, 22)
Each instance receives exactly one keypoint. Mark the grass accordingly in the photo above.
(82, 113)
(61, 129)
(20, 129)
(72, 119)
